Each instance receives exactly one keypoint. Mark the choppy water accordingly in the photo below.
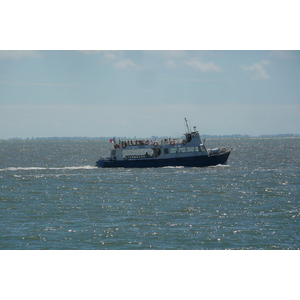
(52, 197)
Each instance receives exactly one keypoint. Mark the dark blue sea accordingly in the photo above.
(53, 197)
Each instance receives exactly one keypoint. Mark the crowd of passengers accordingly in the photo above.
(144, 142)
(136, 143)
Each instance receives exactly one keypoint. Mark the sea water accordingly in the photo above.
(53, 197)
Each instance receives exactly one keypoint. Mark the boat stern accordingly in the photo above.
(100, 163)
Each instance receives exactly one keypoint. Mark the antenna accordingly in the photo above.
(187, 126)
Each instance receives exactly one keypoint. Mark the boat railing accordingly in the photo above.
(217, 151)
(171, 141)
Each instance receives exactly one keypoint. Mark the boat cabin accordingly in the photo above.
(191, 145)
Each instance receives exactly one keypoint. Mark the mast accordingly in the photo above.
(187, 125)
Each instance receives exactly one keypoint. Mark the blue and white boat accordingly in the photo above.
(187, 152)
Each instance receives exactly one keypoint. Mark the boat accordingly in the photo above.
(188, 152)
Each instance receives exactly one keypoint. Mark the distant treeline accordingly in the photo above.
(250, 136)
(204, 136)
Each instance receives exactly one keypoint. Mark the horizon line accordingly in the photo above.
(236, 135)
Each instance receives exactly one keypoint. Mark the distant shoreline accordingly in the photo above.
(204, 136)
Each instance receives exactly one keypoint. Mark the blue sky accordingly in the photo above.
(145, 93)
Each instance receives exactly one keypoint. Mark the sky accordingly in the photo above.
(144, 93)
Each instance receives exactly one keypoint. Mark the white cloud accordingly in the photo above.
(171, 64)
(18, 54)
(203, 66)
(114, 58)
(110, 55)
(125, 64)
(257, 70)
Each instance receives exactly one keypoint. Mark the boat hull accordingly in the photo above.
(196, 161)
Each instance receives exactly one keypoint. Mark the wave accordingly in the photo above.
(173, 167)
(88, 167)
(220, 166)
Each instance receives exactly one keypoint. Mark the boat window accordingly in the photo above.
(143, 151)
(166, 150)
(173, 150)
(190, 149)
(185, 150)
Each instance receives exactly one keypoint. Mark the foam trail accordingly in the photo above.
(173, 167)
(88, 167)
